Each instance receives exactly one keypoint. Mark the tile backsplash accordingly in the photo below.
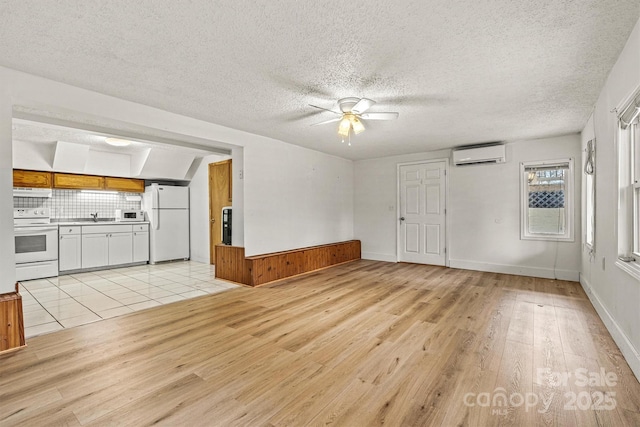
(67, 204)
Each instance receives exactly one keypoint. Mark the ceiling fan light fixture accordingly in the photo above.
(117, 142)
(344, 126)
(357, 125)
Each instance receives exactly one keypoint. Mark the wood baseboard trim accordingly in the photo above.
(11, 322)
(256, 270)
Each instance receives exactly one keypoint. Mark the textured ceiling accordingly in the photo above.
(458, 72)
(38, 133)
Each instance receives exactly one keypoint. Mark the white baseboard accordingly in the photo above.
(629, 352)
(546, 273)
(378, 257)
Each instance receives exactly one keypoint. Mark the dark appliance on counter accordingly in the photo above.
(226, 225)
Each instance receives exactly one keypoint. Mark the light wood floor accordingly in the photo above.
(365, 343)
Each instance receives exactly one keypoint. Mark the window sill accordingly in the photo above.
(632, 268)
(547, 238)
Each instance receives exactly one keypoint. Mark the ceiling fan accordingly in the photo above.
(352, 113)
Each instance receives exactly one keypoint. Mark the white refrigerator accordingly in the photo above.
(167, 209)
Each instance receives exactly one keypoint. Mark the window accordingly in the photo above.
(629, 182)
(547, 202)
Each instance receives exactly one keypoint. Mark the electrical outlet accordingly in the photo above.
(241, 174)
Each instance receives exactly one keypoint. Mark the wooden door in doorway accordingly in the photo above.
(220, 191)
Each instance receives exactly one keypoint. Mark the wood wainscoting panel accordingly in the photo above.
(231, 264)
(280, 265)
(260, 269)
(11, 321)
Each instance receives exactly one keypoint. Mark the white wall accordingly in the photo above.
(375, 203)
(614, 293)
(295, 197)
(237, 219)
(199, 209)
(7, 245)
(483, 212)
(485, 215)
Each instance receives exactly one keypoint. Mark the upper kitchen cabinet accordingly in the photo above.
(31, 179)
(124, 184)
(78, 182)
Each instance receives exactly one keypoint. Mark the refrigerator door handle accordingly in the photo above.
(156, 199)
(155, 207)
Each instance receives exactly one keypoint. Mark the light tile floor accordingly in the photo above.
(71, 300)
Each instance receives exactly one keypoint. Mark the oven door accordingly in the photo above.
(36, 244)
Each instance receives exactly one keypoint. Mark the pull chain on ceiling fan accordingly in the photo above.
(352, 114)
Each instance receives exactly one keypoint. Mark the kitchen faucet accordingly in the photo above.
(94, 216)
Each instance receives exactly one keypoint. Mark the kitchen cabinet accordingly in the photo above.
(77, 182)
(70, 248)
(141, 243)
(106, 245)
(31, 179)
(124, 184)
(120, 248)
(95, 250)
(71, 181)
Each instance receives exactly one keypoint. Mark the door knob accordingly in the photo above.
(213, 220)
(401, 218)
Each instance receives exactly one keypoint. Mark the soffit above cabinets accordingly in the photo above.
(38, 146)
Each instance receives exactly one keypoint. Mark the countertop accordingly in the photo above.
(67, 223)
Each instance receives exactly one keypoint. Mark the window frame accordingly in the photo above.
(569, 201)
(628, 218)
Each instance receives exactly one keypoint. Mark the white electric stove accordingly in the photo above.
(36, 243)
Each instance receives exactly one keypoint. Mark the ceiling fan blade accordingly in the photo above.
(325, 109)
(337, 119)
(380, 116)
(363, 105)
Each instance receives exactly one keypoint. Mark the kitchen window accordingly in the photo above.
(547, 200)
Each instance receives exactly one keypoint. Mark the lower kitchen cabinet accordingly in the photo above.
(141, 243)
(95, 250)
(70, 248)
(120, 248)
(114, 244)
(102, 245)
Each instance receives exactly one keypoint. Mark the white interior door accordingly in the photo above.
(422, 213)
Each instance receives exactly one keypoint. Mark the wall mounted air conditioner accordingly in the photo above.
(475, 155)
